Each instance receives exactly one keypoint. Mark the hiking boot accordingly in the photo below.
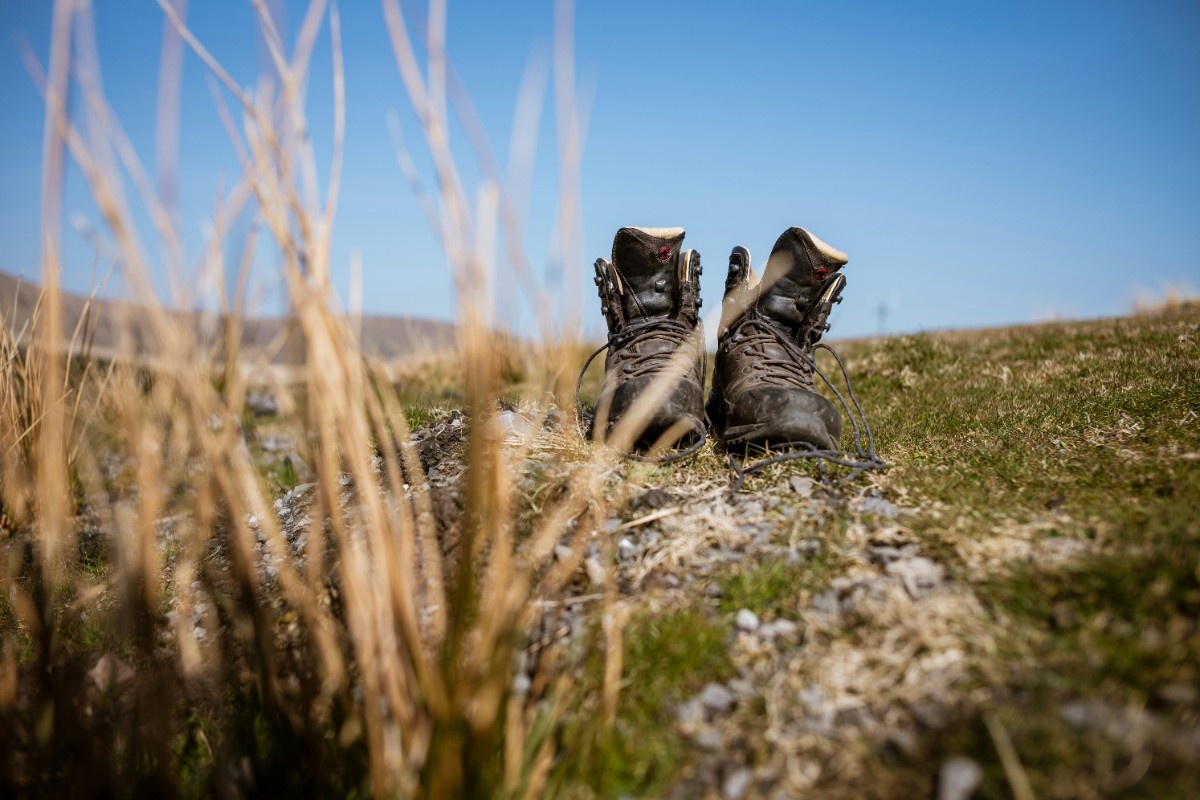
(650, 295)
(763, 391)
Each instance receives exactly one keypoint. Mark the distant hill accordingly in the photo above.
(384, 337)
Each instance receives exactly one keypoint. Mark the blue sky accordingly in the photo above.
(981, 163)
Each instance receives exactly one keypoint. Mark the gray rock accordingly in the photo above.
(1062, 548)
(827, 602)
(626, 549)
(920, 575)
(802, 486)
(879, 506)
(959, 779)
(110, 672)
(811, 697)
(785, 628)
(930, 713)
(511, 424)
(275, 444)
(746, 620)
(708, 739)
(750, 509)
(737, 784)
(886, 554)
(690, 713)
(262, 404)
(716, 697)
(562, 552)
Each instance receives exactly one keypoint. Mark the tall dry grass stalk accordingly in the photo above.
(370, 659)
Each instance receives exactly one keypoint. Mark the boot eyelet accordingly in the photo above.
(660, 285)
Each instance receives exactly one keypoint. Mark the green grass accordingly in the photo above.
(1091, 429)
(775, 588)
(667, 658)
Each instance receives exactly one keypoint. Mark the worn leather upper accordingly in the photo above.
(763, 389)
(650, 296)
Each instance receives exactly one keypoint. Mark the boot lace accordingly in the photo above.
(861, 459)
(623, 345)
(756, 335)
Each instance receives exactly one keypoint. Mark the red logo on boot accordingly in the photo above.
(664, 253)
(820, 273)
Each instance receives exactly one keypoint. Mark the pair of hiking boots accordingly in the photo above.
(763, 393)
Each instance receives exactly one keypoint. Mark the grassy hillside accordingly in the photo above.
(1014, 602)
(1021, 587)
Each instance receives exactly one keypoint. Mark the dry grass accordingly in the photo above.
(163, 630)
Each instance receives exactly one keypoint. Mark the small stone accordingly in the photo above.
(709, 739)
(690, 713)
(262, 404)
(785, 628)
(521, 684)
(595, 571)
(802, 486)
(276, 444)
(930, 714)
(919, 575)
(959, 779)
(737, 784)
(879, 506)
(626, 549)
(826, 602)
(510, 424)
(562, 552)
(750, 509)
(716, 697)
(812, 697)
(746, 620)
(885, 554)
(110, 672)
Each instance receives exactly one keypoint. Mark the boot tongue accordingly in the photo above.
(647, 264)
(797, 270)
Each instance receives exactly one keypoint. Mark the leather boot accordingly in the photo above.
(650, 295)
(763, 391)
